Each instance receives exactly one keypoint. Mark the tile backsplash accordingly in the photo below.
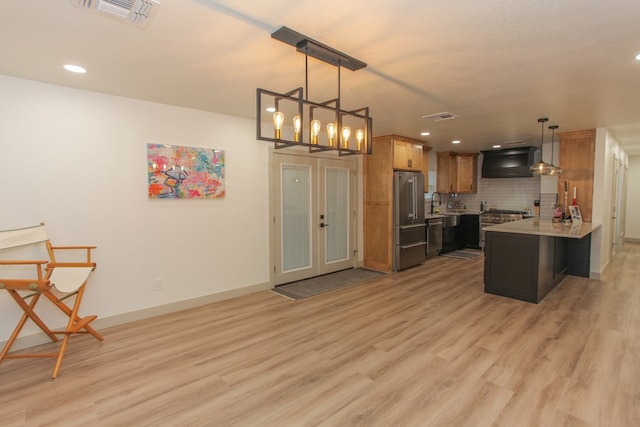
(503, 193)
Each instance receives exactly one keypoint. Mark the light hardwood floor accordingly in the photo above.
(424, 347)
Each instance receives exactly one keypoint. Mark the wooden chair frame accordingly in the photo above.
(43, 283)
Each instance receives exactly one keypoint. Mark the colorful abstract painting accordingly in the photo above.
(177, 172)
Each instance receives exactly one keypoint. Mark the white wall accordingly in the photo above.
(632, 228)
(77, 161)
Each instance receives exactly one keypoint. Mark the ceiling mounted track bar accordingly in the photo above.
(315, 49)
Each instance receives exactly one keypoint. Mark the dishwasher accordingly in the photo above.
(434, 237)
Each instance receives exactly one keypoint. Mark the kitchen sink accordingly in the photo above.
(451, 220)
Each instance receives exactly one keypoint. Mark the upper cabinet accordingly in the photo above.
(407, 154)
(457, 172)
(577, 158)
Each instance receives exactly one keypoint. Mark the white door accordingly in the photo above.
(337, 213)
(313, 216)
(614, 207)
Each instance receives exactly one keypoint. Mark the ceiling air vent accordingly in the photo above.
(438, 117)
(135, 12)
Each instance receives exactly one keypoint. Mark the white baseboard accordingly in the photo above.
(145, 313)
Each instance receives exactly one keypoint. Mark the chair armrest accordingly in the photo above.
(87, 248)
(73, 247)
(22, 262)
(70, 264)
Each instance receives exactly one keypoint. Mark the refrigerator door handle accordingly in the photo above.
(412, 200)
(404, 227)
(415, 198)
(413, 245)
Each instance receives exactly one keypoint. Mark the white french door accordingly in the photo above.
(313, 216)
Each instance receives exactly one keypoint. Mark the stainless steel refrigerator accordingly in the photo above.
(408, 217)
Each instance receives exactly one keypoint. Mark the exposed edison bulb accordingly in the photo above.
(346, 133)
(315, 131)
(278, 120)
(296, 128)
(359, 138)
(332, 131)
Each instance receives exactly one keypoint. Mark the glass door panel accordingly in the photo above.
(294, 206)
(337, 214)
(296, 217)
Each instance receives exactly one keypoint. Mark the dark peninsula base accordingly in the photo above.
(527, 267)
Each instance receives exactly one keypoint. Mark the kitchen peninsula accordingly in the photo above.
(526, 259)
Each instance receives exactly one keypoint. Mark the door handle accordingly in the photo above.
(322, 225)
(404, 227)
(413, 245)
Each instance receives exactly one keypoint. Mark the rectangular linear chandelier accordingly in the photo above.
(289, 119)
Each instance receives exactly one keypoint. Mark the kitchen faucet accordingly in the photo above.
(433, 199)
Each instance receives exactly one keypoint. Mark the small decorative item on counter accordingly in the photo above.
(536, 207)
(565, 213)
(557, 213)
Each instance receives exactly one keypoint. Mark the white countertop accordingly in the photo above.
(546, 227)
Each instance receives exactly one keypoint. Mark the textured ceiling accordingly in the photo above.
(498, 65)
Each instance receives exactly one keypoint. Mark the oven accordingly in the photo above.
(497, 216)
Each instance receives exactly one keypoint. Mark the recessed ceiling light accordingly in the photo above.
(271, 109)
(455, 142)
(425, 133)
(638, 57)
(75, 68)
(497, 146)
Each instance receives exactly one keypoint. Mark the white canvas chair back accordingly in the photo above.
(23, 236)
(66, 279)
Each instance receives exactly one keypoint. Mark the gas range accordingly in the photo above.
(500, 216)
(497, 216)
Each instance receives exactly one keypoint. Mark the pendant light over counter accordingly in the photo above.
(544, 168)
(555, 170)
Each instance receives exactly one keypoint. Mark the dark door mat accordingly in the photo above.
(325, 283)
(460, 254)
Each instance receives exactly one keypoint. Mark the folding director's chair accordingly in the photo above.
(58, 281)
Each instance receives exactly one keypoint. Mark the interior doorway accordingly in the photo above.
(313, 215)
(614, 207)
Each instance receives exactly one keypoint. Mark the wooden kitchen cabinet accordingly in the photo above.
(577, 159)
(378, 194)
(457, 172)
(407, 154)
